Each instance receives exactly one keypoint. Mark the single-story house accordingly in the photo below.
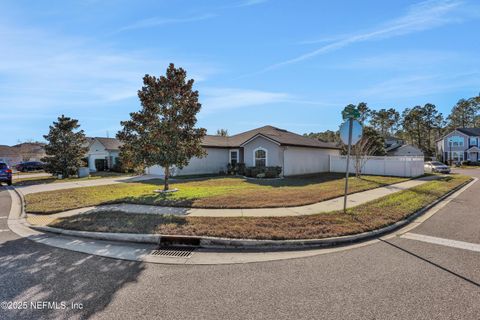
(265, 146)
(397, 147)
(103, 151)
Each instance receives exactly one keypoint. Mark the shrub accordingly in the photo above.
(237, 168)
(85, 162)
(240, 168)
(465, 163)
(230, 169)
(118, 166)
(263, 172)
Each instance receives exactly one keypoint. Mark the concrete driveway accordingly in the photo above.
(81, 183)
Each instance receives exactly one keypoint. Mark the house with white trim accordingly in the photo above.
(104, 151)
(265, 146)
(396, 147)
(459, 145)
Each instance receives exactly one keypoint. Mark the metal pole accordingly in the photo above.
(350, 126)
(450, 153)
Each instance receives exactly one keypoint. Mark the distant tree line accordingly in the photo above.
(419, 125)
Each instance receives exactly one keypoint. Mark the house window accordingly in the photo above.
(233, 157)
(456, 141)
(260, 157)
(457, 156)
(474, 141)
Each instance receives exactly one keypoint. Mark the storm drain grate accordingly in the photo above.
(173, 252)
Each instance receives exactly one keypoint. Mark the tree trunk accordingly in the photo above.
(167, 175)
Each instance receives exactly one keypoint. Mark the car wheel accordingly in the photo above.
(9, 182)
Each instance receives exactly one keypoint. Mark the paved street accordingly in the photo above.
(397, 278)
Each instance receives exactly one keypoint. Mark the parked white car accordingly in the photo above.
(436, 167)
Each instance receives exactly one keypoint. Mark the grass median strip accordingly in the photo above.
(208, 193)
(370, 216)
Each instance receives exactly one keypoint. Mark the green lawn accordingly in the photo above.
(370, 216)
(50, 179)
(208, 193)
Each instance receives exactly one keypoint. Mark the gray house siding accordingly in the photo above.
(299, 161)
(449, 151)
(406, 150)
(274, 152)
(446, 145)
(215, 161)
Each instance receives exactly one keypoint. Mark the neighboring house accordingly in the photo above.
(28, 151)
(459, 145)
(265, 146)
(397, 147)
(404, 150)
(105, 150)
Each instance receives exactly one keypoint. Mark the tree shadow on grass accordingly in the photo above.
(156, 200)
(33, 272)
(297, 181)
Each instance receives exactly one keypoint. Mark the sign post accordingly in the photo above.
(347, 171)
(350, 134)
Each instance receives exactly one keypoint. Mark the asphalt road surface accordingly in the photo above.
(394, 279)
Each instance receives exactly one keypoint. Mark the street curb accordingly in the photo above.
(230, 243)
(20, 195)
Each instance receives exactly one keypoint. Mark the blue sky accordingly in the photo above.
(291, 64)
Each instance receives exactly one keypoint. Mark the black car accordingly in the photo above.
(30, 166)
(5, 174)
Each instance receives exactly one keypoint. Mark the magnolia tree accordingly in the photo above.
(163, 132)
(65, 148)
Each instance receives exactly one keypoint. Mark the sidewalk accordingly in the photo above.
(81, 183)
(320, 207)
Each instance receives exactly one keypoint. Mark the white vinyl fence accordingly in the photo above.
(382, 166)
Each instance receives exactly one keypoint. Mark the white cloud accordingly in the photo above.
(218, 99)
(159, 21)
(248, 3)
(215, 99)
(419, 17)
(421, 85)
(44, 71)
(411, 59)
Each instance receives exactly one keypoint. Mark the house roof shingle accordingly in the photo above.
(110, 143)
(470, 131)
(281, 136)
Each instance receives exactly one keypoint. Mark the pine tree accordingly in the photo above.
(385, 121)
(66, 147)
(222, 132)
(163, 132)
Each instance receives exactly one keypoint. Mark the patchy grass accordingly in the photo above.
(208, 193)
(21, 173)
(51, 179)
(366, 217)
